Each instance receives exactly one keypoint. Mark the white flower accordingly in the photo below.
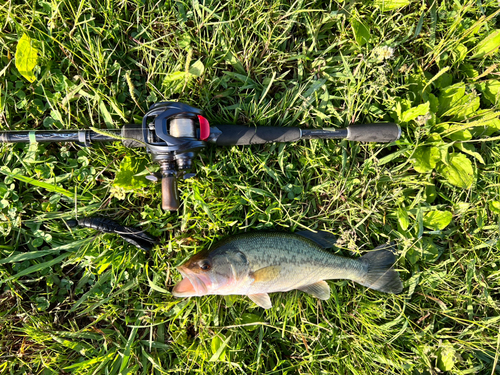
(383, 53)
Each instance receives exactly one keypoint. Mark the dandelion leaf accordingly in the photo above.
(26, 57)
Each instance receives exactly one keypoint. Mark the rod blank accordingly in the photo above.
(83, 136)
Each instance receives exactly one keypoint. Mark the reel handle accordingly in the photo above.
(169, 193)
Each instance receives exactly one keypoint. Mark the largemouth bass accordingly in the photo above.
(255, 264)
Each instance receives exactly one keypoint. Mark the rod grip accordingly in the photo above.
(381, 132)
(169, 193)
(244, 135)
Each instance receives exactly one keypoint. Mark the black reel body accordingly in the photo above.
(173, 134)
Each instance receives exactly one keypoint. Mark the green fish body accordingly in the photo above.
(255, 264)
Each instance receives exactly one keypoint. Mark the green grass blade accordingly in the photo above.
(39, 267)
(45, 185)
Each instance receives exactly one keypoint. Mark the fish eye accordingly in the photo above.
(205, 266)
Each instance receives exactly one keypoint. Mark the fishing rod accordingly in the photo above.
(173, 133)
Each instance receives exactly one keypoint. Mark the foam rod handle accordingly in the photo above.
(383, 132)
(245, 135)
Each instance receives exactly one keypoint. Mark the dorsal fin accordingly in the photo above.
(324, 239)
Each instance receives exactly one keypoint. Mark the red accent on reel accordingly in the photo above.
(204, 128)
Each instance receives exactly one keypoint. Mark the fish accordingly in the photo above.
(255, 264)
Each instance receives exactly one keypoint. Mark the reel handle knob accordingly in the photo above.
(169, 193)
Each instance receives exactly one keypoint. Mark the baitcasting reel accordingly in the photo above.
(173, 134)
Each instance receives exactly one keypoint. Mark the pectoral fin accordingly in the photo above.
(261, 299)
(319, 290)
(266, 274)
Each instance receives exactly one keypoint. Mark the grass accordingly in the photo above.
(76, 301)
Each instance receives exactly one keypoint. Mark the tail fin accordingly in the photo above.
(380, 275)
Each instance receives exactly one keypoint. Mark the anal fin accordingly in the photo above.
(319, 290)
(261, 299)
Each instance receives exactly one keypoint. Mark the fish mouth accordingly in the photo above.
(191, 285)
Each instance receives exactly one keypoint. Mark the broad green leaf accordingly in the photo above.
(185, 41)
(459, 170)
(413, 256)
(492, 126)
(488, 45)
(469, 70)
(450, 96)
(461, 135)
(437, 220)
(425, 158)
(361, 32)
(490, 90)
(445, 80)
(230, 300)
(470, 150)
(414, 112)
(418, 83)
(401, 106)
(435, 139)
(175, 76)
(197, 69)
(464, 107)
(430, 194)
(434, 103)
(387, 5)
(486, 122)
(445, 154)
(248, 318)
(127, 178)
(26, 57)
(403, 219)
(446, 357)
(460, 53)
(495, 207)
(429, 251)
(41, 303)
(218, 346)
